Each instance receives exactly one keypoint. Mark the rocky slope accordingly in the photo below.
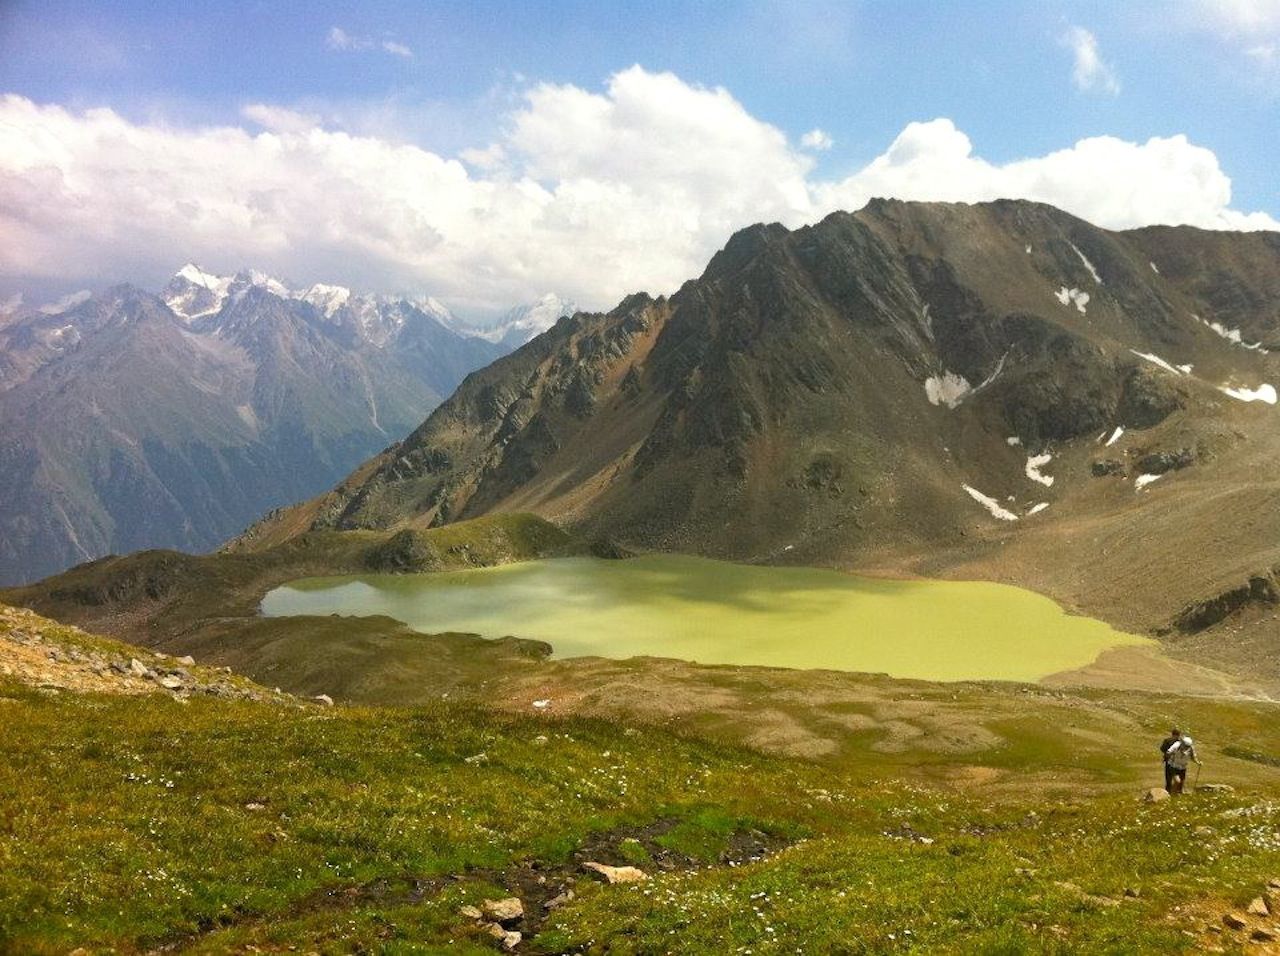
(132, 420)
(922, 386)
(42, 653)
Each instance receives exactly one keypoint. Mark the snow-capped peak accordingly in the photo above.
(193, 293)
(195, 275)
(327, 298)
(430, 305)
(524, 322)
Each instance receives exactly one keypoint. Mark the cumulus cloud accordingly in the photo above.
(592, 193)
(279, 119)
(816, 139)
(1111, 182)
(1090, 73)
(339, 39)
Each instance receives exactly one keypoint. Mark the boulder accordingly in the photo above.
(1215, 788)
(560, 900)
(1155, 795)
(507, 939)
(137, 668)
(324, 699)
(470, 912)
(1107, 466)
(187, 660)
(1157, 463)
(1258, 907)
(171, 683)
(617, 874)
(504, 911)
(1262, 935)
(1234, 921)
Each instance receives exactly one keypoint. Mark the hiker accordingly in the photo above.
(1179, 751)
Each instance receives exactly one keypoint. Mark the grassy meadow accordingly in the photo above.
(131, 824)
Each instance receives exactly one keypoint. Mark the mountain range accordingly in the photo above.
(132, 420)
(998, 390)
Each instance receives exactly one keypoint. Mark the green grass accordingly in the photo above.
(128, 823)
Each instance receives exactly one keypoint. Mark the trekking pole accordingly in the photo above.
(1196, 785)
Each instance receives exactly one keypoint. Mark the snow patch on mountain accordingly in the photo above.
(1234, 336)
(1167, 366)
(1067, 296)
(993, 506)
(1263, 393)
(947, 389)
(1087, 264)
(1034, 464)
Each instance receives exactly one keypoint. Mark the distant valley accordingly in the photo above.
(134, 420)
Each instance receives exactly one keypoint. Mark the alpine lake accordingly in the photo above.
(716, 612)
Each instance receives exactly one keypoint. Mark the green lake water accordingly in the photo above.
(715, 612)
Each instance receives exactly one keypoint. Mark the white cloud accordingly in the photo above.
(278, 119)
(1241, 17)
(1111, 182)
(396, 49)
(1250, 29)
(592, 193)
(339, 39)
(1090, 73)
(816, 139)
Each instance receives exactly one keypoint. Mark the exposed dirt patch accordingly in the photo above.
(1152, 669)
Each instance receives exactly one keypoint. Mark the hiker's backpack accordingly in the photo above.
(1179, 754)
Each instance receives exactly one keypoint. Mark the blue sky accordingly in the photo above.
(446, 77)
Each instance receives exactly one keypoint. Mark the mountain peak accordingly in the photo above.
(193, 293)
(327, 298)
(194, 274)
(527, 321)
